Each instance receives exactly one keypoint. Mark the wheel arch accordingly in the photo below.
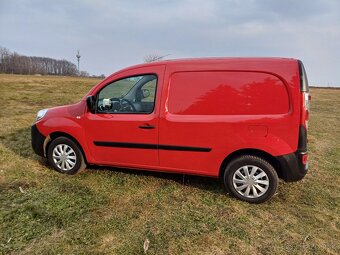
(57, 134)
(254, 152)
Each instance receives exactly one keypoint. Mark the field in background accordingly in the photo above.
(112, 211)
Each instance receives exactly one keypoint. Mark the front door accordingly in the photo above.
(124, 128)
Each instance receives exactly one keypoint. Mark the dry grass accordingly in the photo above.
(111, 211)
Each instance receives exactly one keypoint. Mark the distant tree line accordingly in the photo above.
(12, 62)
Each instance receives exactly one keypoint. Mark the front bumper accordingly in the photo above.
(292, 168)
(37, 141)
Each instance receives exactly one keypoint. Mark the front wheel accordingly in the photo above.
(65, 156)
(251, 178)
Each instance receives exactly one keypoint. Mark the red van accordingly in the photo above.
(241, 119)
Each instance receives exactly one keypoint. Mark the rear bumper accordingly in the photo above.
(37, 141)
(292, 168)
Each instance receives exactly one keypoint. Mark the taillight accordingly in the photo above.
(305, 108)
(305, 100)
(305, 97)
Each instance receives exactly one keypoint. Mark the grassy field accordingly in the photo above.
(111, 211)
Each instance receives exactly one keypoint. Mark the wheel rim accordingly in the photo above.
(251, 181)
(64, 157)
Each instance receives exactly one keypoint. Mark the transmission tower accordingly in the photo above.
(78, 58)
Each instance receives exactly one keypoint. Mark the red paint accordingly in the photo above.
(227, 93)
(225, 104)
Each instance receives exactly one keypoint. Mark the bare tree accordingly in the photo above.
(84, 74)
(154, 57)
(4, 54)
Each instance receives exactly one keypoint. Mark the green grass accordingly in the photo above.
(112, 211)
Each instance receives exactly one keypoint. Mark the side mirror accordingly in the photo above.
(90, 103)
(145, 93)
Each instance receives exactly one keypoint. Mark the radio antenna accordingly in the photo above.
(78, 58)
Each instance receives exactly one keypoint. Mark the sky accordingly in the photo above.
(113, 34)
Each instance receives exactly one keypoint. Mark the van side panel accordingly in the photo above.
(222, 108)
(227, 93)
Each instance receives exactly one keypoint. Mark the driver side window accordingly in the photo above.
(135, 94)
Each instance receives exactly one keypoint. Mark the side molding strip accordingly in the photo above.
(151, 146)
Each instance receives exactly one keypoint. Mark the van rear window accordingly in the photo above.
(227, 93)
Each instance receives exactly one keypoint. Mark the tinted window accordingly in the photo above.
(129, 95)
(227, 93)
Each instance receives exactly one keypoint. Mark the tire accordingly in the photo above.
(250, 178)
(65, 156)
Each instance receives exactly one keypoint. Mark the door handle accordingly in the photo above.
(147, 127)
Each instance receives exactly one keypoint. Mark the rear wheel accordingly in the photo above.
(65, 156)
(251, 178)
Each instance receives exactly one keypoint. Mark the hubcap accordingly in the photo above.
(64, 157)
(251, 181)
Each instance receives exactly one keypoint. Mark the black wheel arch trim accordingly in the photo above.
(292, 167)
(37, 141)
(40, 142)
(57, 134)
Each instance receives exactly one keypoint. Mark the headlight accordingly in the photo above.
(41, 114)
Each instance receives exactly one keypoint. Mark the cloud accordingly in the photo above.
(114, 34)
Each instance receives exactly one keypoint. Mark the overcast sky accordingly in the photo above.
(115, 34)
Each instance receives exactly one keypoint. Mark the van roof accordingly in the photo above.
(219, 59)
(231, 62)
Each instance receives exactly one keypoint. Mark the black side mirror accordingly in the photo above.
(90, 101)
